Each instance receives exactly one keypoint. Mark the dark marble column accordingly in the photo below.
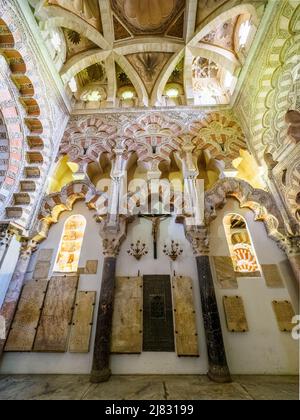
(101, 363)
(112, 240)
(218, 368)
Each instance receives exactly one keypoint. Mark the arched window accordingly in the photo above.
(67, 259)
(240, 244)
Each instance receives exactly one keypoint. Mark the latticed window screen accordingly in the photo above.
(157, 307)
(158, 314)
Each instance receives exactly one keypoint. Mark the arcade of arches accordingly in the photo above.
(149, 187)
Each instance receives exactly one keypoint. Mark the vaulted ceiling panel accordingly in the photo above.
(148, 16)
(149, 66)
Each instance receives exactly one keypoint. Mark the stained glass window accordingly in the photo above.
(67, 260)
(240, 244)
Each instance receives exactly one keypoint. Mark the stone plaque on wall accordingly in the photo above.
(45, 255)
(235, 314)
(82, 322)
(22, 334)
(226, 276)
(186, 336)
(127, 334)
(90, 268)
(272, 276)
(41, 270)
(284, 313)
(55, 323)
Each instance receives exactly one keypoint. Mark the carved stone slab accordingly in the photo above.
(23, 330)
(284, 313)
(272, 276)
(56, 319)
(186, 335)
(41, 270)
(82, 322)
(235, 314)
(90, 268)
(127, 336)
(45, 255)
(226, 276)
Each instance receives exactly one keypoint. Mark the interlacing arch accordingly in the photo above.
(86, 140)
(154, 132)
(36, 152)
(272, 98)
(260, 202)
(220, 135)
(55, 204)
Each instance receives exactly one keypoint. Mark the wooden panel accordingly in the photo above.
(272, 276)
(185, 317)
(226, 276)
(54, 326)
(235, 314)
(127, 318)
(23, 331)
(284, 313)
(158, 314)
(41, 270)
(82, 322)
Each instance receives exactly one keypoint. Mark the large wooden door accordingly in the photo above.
(158, 314)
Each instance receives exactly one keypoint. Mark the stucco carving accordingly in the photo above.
(259, 201)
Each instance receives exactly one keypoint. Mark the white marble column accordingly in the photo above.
(117, 203)
(193, 188)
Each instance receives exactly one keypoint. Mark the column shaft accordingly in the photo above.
(218, 368)
(101, 362)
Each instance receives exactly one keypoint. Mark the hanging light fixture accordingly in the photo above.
(173, 251)
(138, 250)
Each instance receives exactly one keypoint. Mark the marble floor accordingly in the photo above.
(76, 387)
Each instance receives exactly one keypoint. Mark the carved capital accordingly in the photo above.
(6, 233)
(198, 236)
(112, 238)
(290, 245)
(28, 247)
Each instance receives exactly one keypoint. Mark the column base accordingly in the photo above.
(219, 374)
(99, 376)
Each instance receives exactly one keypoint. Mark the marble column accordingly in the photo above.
(193, 189)
(111, 245)
(118, 175)
(218, 368)
(14, 290)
